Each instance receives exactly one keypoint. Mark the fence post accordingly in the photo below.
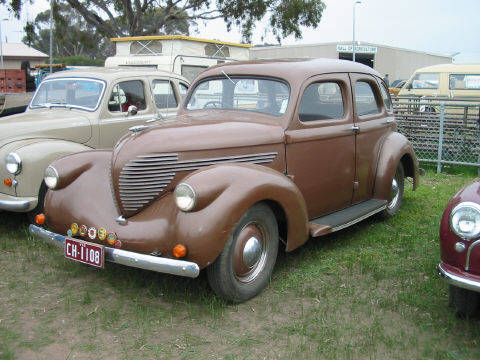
(440, 138)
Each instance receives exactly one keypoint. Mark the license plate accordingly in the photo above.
(85, 252)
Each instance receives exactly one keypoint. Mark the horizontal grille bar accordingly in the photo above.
(143, 179)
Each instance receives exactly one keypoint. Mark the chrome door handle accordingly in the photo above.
(390, 120)
(355, 128)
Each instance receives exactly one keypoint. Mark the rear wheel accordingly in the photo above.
(396, 193)
(465, 302)
(246, 262)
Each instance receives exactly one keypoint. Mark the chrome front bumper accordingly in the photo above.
(458, 281)
(128, 258)
(17, 204)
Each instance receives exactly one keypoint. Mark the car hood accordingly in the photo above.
(55, 123)
(172, 149)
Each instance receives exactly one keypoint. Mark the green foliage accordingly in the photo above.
(79, 60)
(116, 18)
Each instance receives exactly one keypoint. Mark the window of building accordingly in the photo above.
(217, 50)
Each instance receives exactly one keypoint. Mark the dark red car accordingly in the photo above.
(459, 240)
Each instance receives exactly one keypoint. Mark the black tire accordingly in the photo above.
(39, 208)
(395, 202)
(465, 302)
(225, 275)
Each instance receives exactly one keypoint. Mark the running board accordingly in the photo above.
(346, 217)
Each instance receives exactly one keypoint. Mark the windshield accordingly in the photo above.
(69, 92)
(239, 93)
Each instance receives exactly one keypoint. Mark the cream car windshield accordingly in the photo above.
(267, 96)
(70, 93)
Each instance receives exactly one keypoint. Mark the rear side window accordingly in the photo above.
(386, 98)
(426, 81)
(183, 90)
(365, 102)
(321, 101)
(163, 94)
(464, 82)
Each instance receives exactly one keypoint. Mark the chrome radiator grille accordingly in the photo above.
(144, 178)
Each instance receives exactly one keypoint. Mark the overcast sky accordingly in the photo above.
(439, 26)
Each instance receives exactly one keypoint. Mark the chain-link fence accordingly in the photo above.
(442, 131)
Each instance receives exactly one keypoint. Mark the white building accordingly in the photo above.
(15, 53)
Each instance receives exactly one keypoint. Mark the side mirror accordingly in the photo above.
(132, 110)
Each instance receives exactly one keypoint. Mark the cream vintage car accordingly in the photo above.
(73, 111)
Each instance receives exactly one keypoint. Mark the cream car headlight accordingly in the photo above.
(51, 177)
(13, 163)
(185, 197)
(465, 220)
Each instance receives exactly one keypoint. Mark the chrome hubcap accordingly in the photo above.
(394, 194)
(252, 251)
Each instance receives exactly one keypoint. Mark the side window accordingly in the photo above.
(125, 94)
(365, 99)
(183, 90)
(386, 98)
(321, 101)
(163, 94)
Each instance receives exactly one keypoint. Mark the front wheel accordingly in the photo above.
(464, 301)
(396, 193)
(245, 264)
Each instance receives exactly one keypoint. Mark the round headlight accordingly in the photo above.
(13, 163)
(185, 197)
(51, 177)
(465, 220)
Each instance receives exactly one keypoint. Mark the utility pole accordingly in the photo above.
(51, 33)
(354, 42)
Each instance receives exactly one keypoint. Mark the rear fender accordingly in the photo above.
(225, 193)
(395, 149)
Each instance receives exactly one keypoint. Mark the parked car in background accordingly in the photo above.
(460, 251)
(397, 85)
(261, 154)
(460, 81)
(77, 110)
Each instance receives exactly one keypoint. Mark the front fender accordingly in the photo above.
(225, 193)
(36, 157)
(395, 149)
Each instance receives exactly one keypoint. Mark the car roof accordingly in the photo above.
(112, 73)
(292, 70)
(465, 68)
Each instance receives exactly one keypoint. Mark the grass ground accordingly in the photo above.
(370, 291)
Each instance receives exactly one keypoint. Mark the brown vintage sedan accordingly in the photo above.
(261, 154)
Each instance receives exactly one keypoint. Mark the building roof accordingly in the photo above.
(349, 43)
(177, 37)
(20, 50)
(292, 70)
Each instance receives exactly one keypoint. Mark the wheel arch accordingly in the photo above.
(221, 204)
(395, 149)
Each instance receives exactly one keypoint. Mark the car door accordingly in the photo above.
(116, 120)
(373, 120)
(320, 145)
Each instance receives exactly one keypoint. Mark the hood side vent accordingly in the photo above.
(144, 178)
